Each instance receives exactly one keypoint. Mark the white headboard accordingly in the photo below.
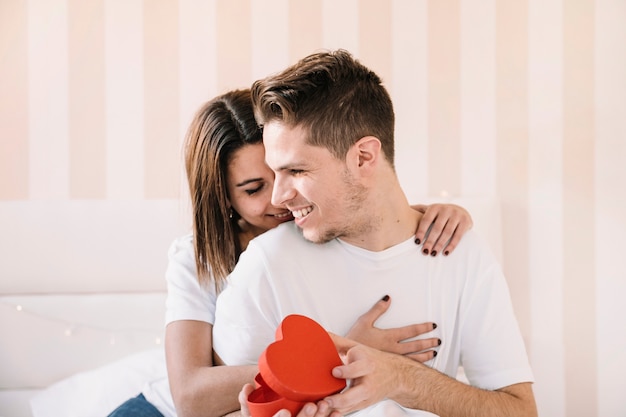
(83, 246)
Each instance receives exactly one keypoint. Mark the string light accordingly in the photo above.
(70, 328)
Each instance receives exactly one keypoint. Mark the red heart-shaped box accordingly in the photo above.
(295, 369)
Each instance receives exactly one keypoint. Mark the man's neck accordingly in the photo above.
(392, 222)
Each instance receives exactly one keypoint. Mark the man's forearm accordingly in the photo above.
(421, 387)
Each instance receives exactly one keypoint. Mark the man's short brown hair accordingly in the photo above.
(335, 98)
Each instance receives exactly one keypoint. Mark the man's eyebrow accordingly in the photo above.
(293, 165)
(248, 181)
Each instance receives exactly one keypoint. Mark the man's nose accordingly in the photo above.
(282, 191)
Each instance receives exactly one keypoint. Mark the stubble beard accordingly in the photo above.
(354, 222)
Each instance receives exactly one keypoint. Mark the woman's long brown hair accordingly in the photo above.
(219, 128)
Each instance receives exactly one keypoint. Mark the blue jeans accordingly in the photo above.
(136, 407)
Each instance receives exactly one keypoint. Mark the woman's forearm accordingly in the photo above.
(211, 391)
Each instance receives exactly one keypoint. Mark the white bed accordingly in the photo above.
(92, 351)
(82, 295)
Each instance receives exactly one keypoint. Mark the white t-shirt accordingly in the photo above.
(186, 300)
(465, 293)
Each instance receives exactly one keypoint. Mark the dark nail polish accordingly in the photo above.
(433, 253)
(438, 342)
(434, 353)
(385, 298)
(434, 326)
(417, 241)
(447, 253)
(425, 251)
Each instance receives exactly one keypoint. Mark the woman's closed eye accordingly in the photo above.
(252, 191)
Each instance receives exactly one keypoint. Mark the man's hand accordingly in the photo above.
(377, 375)
(374, 375)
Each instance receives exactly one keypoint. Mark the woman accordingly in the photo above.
(230, 187)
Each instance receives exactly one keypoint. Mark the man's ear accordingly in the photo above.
(368, 150)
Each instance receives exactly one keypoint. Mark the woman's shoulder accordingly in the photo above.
(181, 244)
(181, 251)
(182, 269)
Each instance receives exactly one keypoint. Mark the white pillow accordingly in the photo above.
(100, 391)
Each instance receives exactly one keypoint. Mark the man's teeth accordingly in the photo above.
(302, 212)
(281, 215)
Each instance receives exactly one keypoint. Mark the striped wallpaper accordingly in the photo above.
(520, 100)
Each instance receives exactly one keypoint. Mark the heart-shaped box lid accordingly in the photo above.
(296, 367)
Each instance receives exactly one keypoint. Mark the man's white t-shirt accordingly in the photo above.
(465, 294)
(186, 299)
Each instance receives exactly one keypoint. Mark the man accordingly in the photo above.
(328, 135)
